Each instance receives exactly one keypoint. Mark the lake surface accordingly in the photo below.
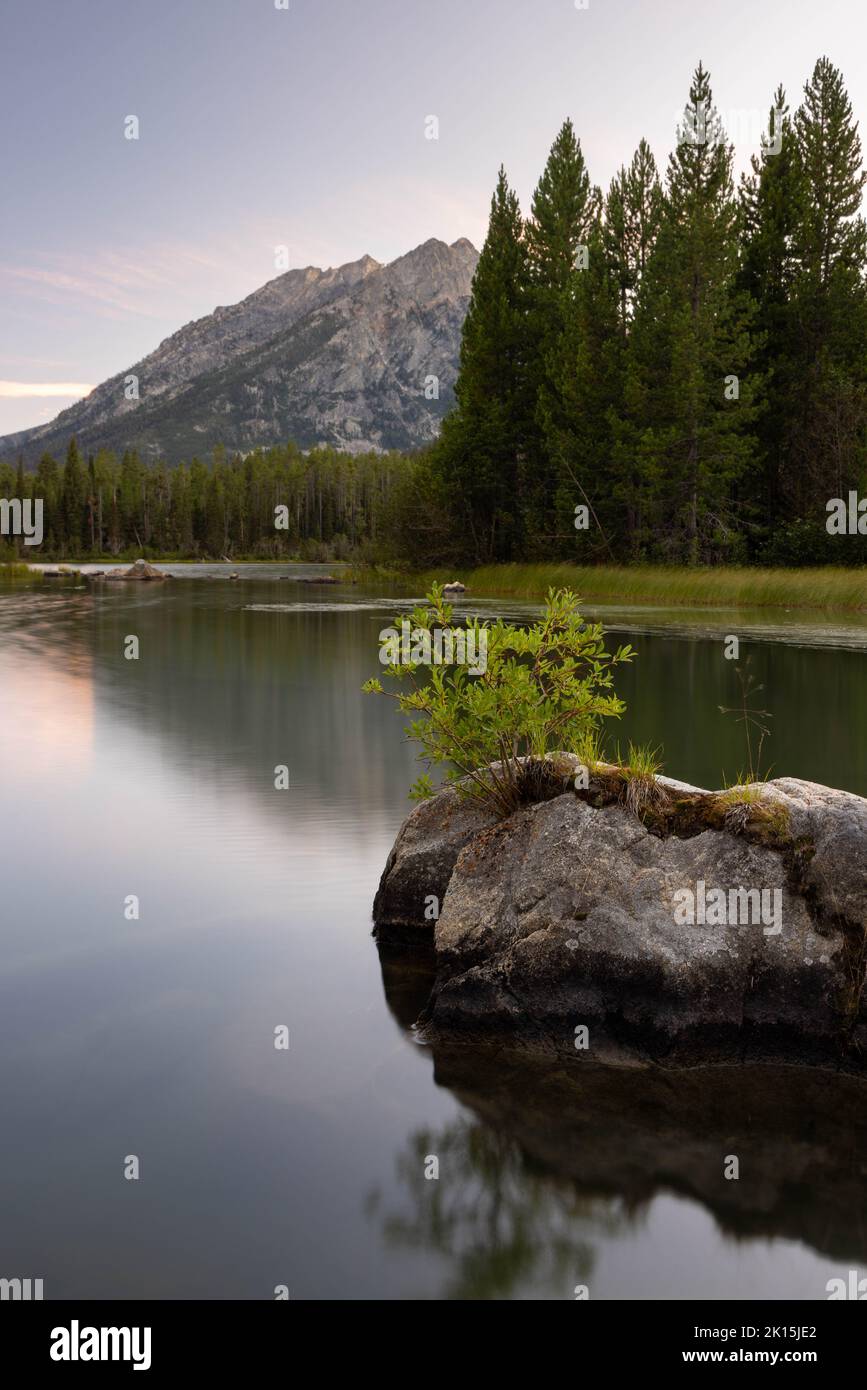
(304, 1167)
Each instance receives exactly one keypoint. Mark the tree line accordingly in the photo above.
(675, 371)
(331, 504)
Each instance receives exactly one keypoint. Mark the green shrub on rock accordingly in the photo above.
(526, 693)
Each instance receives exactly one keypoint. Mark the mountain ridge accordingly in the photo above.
(337, 356)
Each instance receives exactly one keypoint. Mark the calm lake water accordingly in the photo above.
(155, 1037)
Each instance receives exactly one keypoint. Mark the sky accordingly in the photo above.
(306, 126)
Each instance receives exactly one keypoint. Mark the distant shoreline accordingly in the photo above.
(820, 588)
(127, 559)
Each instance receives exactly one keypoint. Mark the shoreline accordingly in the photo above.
(822, 588)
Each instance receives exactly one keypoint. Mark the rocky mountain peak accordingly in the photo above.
(337, 356)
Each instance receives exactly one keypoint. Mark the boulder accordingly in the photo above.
(426, 850)
(421, 862)
(140, 570)
(712, 928)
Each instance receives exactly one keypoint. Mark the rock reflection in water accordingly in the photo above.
(551, 1152)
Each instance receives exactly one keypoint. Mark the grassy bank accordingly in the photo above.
(723, 587)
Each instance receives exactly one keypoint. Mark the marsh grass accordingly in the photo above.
(823, 588)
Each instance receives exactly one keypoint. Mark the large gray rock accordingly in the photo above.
(421, 862)
(571, 913)
(835, 824)
(426, 850)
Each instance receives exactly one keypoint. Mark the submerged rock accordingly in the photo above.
(706, 925)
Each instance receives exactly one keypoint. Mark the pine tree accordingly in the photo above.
(772, 199)
(21, 492)
(580, 388)
(46, 485)
(633, 210)
(479, 452)
(564, 211)
(564, 219)
(91, 504)
(633, 213)
(827, 415)
(831, 235)
(691, 346)
(73, 494)
(130, 500)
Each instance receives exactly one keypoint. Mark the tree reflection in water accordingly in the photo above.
(500, 1221)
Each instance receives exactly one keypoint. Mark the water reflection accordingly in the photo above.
(591, 1147)
(262, 672)
(155, 1036)
(500, 1222)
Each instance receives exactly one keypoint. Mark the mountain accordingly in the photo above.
(334, 357)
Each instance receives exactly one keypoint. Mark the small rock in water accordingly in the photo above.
(140, 570)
